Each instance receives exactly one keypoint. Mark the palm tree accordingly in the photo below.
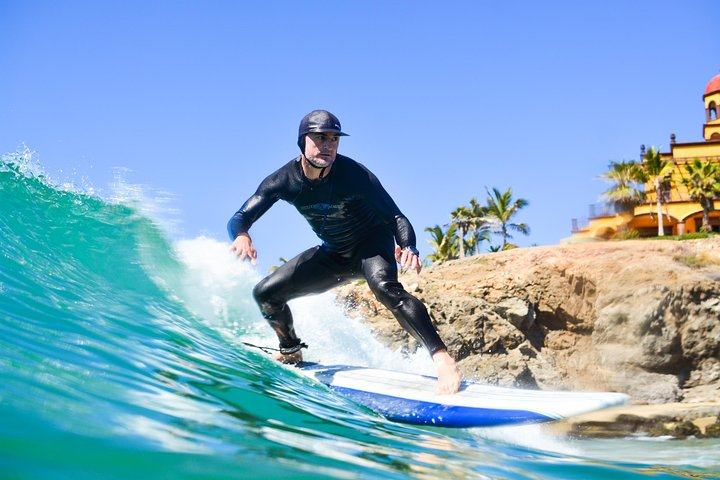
(500, 209)
(283, 261)
(703, 186)
(460, 217)
(624, 194)
(478, 225)
(443, 243)
(655, 171)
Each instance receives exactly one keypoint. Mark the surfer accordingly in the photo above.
(359, 225)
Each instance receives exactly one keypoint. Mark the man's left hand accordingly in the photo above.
(407, 260)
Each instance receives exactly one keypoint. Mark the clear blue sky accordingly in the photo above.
(202, 98)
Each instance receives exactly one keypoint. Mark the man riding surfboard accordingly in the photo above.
(363, 235)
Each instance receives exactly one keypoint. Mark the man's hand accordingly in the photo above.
(243, 248)
(407, 260)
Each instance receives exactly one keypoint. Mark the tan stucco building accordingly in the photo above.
(680, 213)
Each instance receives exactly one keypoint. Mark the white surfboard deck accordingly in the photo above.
(411, 398)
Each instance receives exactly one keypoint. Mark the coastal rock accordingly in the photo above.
(673, 420)
(713, 430)
(640, 317)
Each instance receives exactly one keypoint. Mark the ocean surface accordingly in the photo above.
(121, 357)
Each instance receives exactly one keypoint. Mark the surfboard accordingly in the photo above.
(410, 398)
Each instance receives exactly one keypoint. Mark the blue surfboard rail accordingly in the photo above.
(417, 412)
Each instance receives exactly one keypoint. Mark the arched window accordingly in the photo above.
(712, 111)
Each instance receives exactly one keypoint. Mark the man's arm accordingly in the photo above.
(383, 204)
(239, 225)
(265, 197)
(251, 210)
(404, 232)
(406, 253)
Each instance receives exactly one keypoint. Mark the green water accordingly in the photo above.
(120, 357)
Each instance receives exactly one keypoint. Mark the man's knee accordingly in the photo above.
(259, 292)
(269, 306)
(390, 293)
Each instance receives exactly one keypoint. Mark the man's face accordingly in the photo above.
(321, 148)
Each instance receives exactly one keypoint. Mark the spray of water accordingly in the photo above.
(218, 288)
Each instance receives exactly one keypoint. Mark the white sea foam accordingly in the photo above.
(157, 205)
(219, 289)
(532, 435)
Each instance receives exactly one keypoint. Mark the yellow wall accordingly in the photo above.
(679, 211)
(712, 127)
(713, 97)
(677, 218)
(711, 130)
(680, 154)
(604, 227)
(688, 151)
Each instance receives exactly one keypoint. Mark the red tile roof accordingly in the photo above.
(713, 86)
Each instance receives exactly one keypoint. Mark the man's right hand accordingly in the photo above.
(243, 248)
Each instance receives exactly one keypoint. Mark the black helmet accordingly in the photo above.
(318, 121)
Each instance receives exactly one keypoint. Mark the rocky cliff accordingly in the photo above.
(640, 317)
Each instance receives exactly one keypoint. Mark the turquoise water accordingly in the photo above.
(121, 357)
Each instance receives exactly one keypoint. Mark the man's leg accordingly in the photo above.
(380, 271)
(313, 271)
(381, 274)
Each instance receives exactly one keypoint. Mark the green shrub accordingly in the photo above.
(627, 235)
(687, 236)
(691, 261)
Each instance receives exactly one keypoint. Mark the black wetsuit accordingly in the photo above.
(358, 223)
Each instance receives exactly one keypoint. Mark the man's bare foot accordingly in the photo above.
(448, 375)
(291, 358)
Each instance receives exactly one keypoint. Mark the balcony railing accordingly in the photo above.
(595, 210)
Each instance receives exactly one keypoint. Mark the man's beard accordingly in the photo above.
(314, 162)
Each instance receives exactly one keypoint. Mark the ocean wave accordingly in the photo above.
(122, 355)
